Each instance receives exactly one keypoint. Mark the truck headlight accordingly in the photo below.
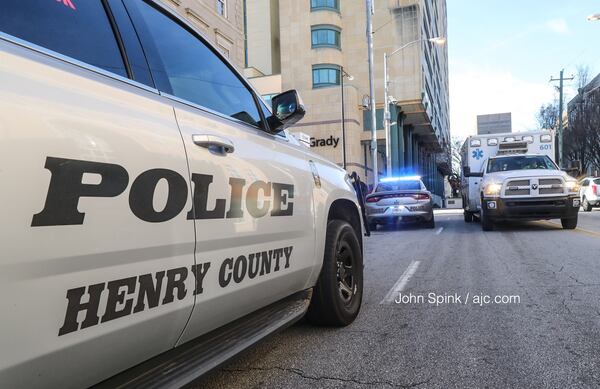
(573, 186)
(492, 189)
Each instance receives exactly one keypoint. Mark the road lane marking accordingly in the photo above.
(578, 229)
(401, 283)
(439, 231)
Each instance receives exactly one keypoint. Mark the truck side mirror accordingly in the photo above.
(467, 172)
(287, 110)
(572, 171)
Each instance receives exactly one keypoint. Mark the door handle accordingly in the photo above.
(214, 142)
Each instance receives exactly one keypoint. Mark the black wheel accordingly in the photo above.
(569, 223)
(586, 205)
(468, 216)
(337, 297)
(486, 222)
(372, 226)
(430, 223)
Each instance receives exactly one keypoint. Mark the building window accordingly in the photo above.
(325, 4)
(325, 36)
(325, 75)
(222, 7)
(223, 50)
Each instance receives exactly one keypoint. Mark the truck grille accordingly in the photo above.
(551, 186)
(543, 186)
(517, 188)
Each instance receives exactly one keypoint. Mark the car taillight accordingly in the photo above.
(372, 199)
(595, 190)
(420, 196)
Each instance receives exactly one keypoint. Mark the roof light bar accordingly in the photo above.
(402, 178)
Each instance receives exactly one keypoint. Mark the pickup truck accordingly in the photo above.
(526, 187)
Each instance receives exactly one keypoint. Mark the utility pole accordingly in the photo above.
(560, 80)
(370, 10)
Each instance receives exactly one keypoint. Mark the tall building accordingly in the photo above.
(262, 37)
(220, 21)
(322, 45)
(495, 123)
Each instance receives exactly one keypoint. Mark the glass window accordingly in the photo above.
(597, 181)
(79, 30)
(399, 185)
(222, 7)
(268, 99)
(182, 65)
(324, 4)
(503, 164)
(325, 75)
(325, 36)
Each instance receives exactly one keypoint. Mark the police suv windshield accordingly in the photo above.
(399, 185)
(520, 162)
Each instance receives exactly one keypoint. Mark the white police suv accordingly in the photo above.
(156, 216)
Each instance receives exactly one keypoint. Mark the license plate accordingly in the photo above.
(398, 208)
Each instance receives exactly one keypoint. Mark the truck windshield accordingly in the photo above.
(399, 185)
(520, 162)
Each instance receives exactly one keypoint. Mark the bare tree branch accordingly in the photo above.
(547, 116)
(582, 76)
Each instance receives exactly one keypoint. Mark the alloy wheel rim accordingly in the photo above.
(345, 272)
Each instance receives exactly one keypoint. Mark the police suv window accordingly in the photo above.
(76, 28)
(183, 66)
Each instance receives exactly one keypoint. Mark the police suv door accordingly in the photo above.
(252, 190)
(96, 267)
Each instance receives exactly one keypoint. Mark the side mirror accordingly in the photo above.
(287, 110)
(467, 172)
(574, 168)
(572, 171)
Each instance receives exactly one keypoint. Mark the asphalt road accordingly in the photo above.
(550, 337)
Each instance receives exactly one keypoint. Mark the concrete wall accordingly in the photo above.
(262, 32)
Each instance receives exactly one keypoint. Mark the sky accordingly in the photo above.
(502, 54)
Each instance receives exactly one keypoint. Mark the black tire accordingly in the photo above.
(486, 222)
(569, 223)
(372, 226)
(468, 216)
(430, 223)
(332, 304)
(586, 205)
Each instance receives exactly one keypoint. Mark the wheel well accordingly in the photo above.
(346, 210)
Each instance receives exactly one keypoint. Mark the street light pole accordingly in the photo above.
(343, 75)
(369, 4)
(386, 107)
(386, 118)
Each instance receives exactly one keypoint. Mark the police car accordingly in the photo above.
(157, 217)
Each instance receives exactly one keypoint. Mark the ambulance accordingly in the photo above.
(513, 176)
